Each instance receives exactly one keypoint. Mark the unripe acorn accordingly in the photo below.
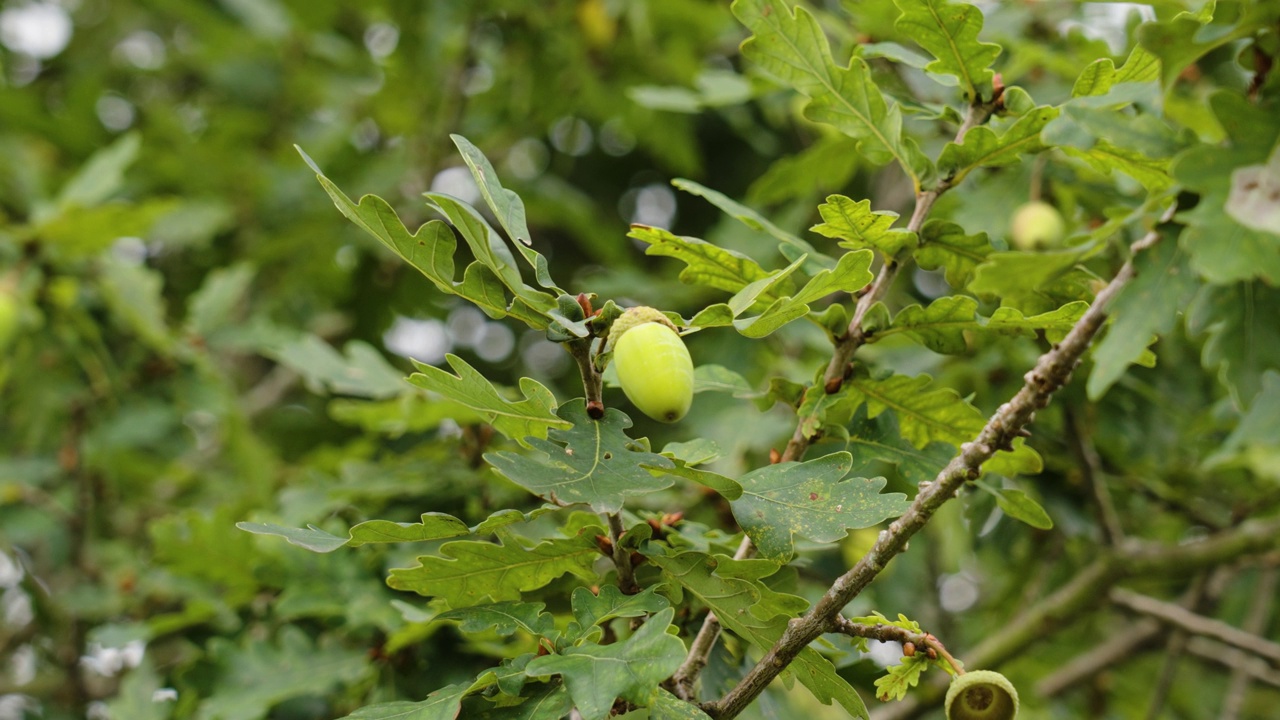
(8, 317)
(653, 364)
(981, 695)
(1036, 225)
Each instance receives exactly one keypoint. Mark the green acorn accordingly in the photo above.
(9, 317)
(981, 695)
(1037, 225)
(653, 364)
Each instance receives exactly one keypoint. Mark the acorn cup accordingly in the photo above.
(981, 695)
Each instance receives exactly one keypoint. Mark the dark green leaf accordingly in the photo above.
(1242, 337)
(443, 704)
(591, 609)
(1255, 443)
(1188, 36)
(592, 462)
(1222, 250)
(808, 499)
(503, 618)
(877, 439)
(944, 244)
(548, 702)
(747, 608)
(468, 573)
(596, 675)
(1148, 305)
(789, 44)
(260, 675)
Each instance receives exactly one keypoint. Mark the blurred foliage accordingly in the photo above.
(193, 337)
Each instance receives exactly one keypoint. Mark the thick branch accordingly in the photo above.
(1051, 372)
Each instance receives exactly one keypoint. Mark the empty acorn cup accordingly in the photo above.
(981, 695)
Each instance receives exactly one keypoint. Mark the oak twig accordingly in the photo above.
(1080, 594)
(1091, 467)
(1127, 643)
(1052, 371)
(1190, 622)
(1255, 622)
(833, 378)
(1237, 660)
(885, 633)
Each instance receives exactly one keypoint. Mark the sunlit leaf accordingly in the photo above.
(814, 261)
(531, 416)
(858, 226)
(949, 30)
(942, 325)
(708, 265)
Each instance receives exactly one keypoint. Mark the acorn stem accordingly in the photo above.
(592, 380)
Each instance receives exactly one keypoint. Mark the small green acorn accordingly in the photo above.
(1036, 225)
(653, 364)
(981, 695)
(9, 315)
